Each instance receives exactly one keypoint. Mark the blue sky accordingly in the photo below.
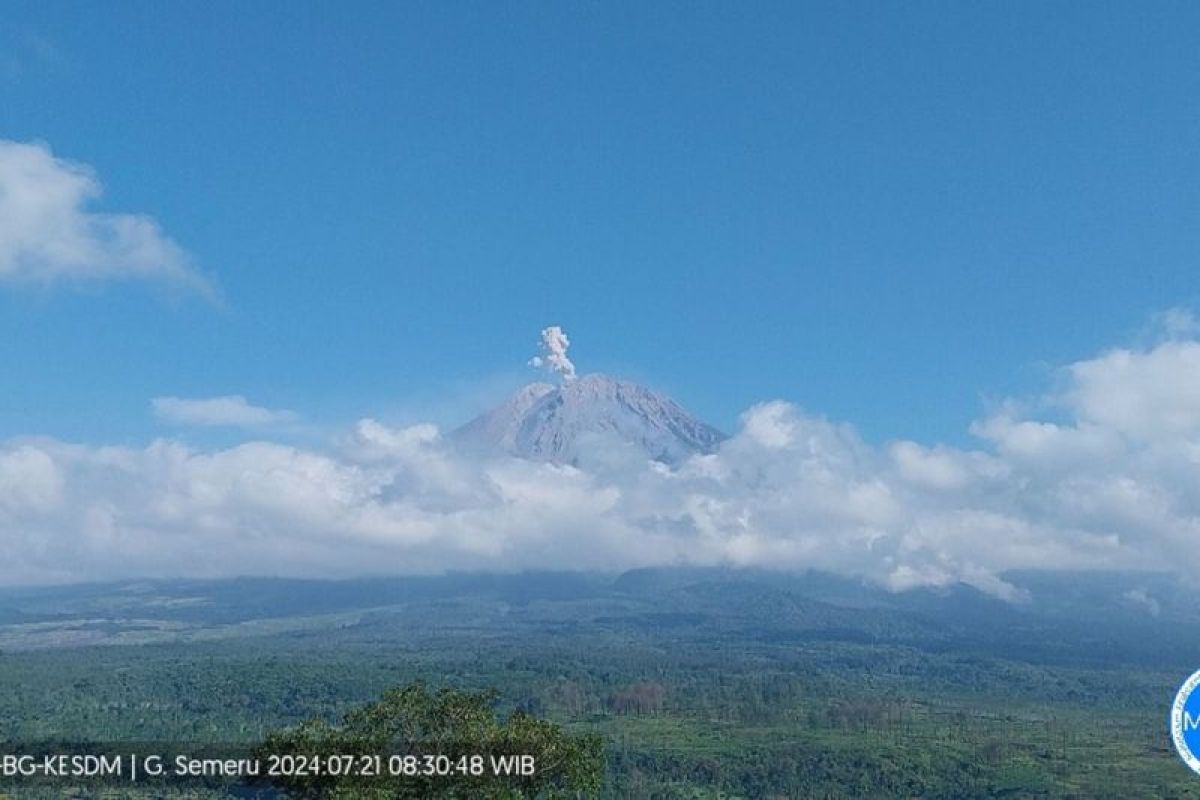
(886, 213)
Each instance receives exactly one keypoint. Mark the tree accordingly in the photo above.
(448, 744)
(645, 697)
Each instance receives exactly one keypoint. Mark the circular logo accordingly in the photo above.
(1185, 722)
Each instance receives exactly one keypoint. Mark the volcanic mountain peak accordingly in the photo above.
(547, 423)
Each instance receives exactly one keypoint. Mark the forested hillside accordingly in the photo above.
(699, 683)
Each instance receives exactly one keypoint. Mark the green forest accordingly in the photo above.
(666, 684)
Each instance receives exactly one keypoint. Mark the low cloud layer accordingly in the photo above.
(49, 234)
(226, 411)
(1105, 473)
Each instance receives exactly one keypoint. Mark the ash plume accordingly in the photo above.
(554, 346)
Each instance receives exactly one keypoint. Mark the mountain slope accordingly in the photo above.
(549, 423)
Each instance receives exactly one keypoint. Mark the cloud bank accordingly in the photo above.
(48, 233)
(1104, 473)
(228, 410)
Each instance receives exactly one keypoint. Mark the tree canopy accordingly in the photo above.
(417, 743)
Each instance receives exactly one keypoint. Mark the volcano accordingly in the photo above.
(546, 422)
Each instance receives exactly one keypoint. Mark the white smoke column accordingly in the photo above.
(554, 345)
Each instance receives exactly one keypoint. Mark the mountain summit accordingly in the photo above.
(544, 422)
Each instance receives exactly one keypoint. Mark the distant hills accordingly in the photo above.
(1071, 617)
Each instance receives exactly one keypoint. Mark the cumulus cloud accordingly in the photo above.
(1112, 481)
(228, 411)
(48, 232)
(1147, 396)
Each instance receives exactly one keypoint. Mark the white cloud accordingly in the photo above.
(229, 411)
(49, 234)
(1100, 487)
(1145, 395)
(31, 479)
(943, 468)
(1175, 323)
